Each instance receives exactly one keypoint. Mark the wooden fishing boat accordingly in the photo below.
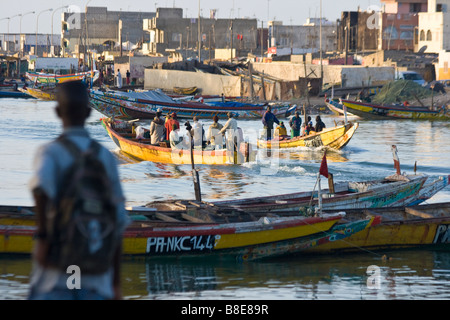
(144, 104)
(336, 107)
(382, 112)
(121, 134)
(41, 77)
(400, 227)
(185, 91)
(162, 234)
(14, 94)
(41, 94)
(335, 138)
(387, 192)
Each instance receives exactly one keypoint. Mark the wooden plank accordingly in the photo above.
(164, 217)
(191, 218)
(418, 213)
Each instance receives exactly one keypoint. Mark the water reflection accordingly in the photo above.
(408, 274)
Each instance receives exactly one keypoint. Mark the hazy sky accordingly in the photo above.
(289, 11)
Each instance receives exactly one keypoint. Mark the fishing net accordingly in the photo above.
(399, 91)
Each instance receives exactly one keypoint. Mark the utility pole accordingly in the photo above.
(231, 29)
(320, 45)
(199, 36)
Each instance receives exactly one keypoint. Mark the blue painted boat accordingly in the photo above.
(143, 105)
(15, 94)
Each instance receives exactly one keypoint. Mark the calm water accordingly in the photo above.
(26, 124)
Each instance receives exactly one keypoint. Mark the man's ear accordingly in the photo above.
(88, 112)
(58, 111)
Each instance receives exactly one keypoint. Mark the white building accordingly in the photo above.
(434, 27)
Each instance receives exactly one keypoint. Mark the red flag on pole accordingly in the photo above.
(396, 159)
(323, 166)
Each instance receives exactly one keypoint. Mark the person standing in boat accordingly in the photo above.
(213, 136)
(319, 124)
(230, 128)
(295, 123)
(172, 120)
(119, 79)
(128, 74)
(268, 120)
(157, 129)
(198, 134)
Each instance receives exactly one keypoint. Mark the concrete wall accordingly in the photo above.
(349, 76)
(210, 84)
(136, 66)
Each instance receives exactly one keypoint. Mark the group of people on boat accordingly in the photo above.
(298, 129)
(167, 132)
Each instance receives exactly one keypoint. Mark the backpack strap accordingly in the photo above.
(74, 149)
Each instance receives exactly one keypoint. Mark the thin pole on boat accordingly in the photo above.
(195, 175)
(396, 159)
(319, 194)
(344, 107)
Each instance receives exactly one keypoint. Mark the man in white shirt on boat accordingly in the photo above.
(233, 138)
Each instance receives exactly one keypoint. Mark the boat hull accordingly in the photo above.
(120, 107)
(40, 94)
(398, 233)
(146, 152)
(375, 112)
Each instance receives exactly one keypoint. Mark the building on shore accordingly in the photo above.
(434, 27)
(101, 30)
(168, 30)
(26, 44)
(304, 38)
(393, 27)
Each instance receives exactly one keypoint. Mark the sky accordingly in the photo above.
(293, 12)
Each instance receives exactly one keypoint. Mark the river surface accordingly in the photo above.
(408, 274)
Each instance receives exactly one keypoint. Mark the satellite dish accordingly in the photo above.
(422, 50)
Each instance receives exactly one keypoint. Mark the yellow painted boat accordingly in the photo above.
(48, 95)
(335, 138)
(383, 112)
(142, 149)
(175, 234)
(400, 227)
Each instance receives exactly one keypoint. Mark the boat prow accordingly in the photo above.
(334, 138)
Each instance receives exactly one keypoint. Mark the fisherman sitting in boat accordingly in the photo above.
(319, 124)
(309, 128)
(280, 131)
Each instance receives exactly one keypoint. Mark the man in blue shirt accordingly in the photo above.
(268, 120)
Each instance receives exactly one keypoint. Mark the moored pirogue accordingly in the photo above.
(167, 235)
(423, 226)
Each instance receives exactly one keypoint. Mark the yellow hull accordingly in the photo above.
(136, 241)
(39, 94)
(382, 236)
(139, 245)
(335, 138)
